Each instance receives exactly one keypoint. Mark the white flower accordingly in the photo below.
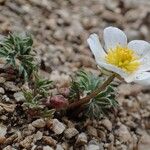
(129, 60)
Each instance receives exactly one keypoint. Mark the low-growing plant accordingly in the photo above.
(37, 96)
(85, 83)
(17, 51)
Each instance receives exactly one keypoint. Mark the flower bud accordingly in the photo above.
(58, 102)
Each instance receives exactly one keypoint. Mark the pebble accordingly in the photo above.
(38, 136)
(3, 130)
(39, 123)
(123, 134)
(56, 126)
(70, 132)
(47, 148)
(144, 143)
(31, 128)
(59, 147)
(49, 140)
(9, 148)
(11, 86)
(26, 143)
(2, 91)
(2, 80)
(92, 131)
(19, 96)
(81, 139)
(107, 123)
(94, 145)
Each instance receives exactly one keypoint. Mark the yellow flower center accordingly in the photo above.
(124, 58)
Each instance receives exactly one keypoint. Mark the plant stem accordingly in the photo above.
(87, 98)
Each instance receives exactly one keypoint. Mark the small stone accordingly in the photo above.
(31, 128)
(56, 126)
(144, 143)
(101, 135)
(3, 130)
(81, 139)
(59, 147)
(106, 123)
(2, 80)
(11, 86)
(92, 131)
(19, 96)
(71, 132)
(1, 109)
(38, 136)
(39, 123)
(9, 148)
(47, 148)
(2, 139)
(2, 91)
(49, 140)
(59, 35)
(123, 134)
(6, 98)
(94, 145)
(26, 143)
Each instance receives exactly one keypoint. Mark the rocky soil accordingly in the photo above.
(60, 29)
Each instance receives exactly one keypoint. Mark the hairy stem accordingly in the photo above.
(87, 98)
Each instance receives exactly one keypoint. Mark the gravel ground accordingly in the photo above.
(60, 29)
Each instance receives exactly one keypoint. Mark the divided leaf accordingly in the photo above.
(17, 51)
(83, 84)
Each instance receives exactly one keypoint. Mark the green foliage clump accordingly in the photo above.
(85, 83)
(17, 51)
(35, 98)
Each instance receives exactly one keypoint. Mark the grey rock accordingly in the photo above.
(39, 123)
(144, 143)
(19, 96)
(11, 86)
(81, 139)
(2, 91)
(59, 147)
(107, 123)
(47, 148)
(71, 132)
(56, 126)
(92, 131)
(123, 134)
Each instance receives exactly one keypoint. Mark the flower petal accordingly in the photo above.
(96, 47)
(143, 78)
(112, 68)
(140, 47)
(145, 62)
(113, 37)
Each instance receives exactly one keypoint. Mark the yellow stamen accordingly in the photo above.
(124, 58)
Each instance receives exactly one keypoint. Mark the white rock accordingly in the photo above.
(39, 123)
